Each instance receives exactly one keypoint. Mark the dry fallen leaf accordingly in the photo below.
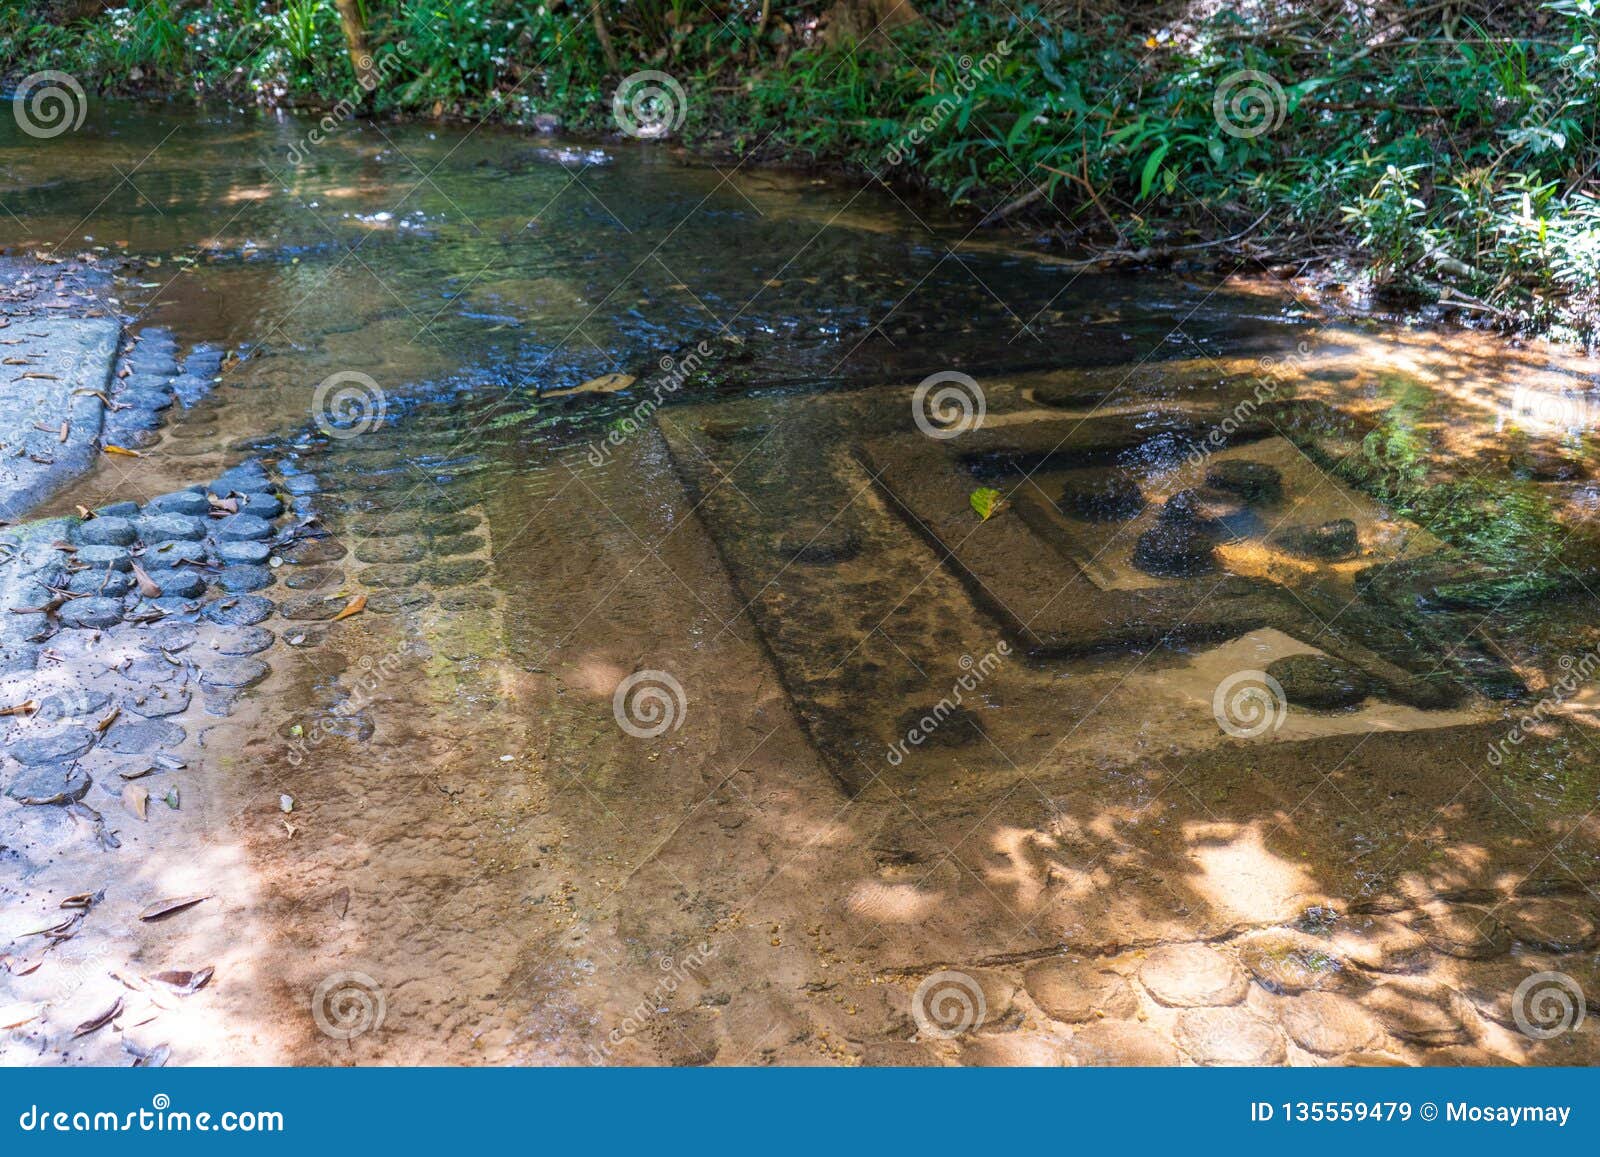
(17, 1015)
(354, 607)
(100, 1021)
(148, 587)
(182, 981)
(172, 904)
(26, 707)
(136, 799)
(154, 1058)
(123, 450)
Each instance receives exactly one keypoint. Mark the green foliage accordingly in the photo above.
(1453, 160)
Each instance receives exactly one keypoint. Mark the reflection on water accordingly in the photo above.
(474, 831)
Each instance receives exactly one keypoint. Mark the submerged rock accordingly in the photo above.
(820, 548)
(1173, 548)
(1110, 497)
(1320, 681)
(1252, 481)
(1329, 542)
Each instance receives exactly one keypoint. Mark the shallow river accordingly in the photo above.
(696, 715)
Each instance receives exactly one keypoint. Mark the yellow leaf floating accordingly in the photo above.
(986, 501)
(354, 607)
(123, 450)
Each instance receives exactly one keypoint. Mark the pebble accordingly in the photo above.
(119, 510)
(314, 578)
(73, 703)
(262, 504)
(187, 502)
(239, 610)
(243, 552)
(1190, 975)
(1462, 930)
(243, 526)
(158, 703)
(1078, 991)
(90, 612)
(178, 583)
(105, 531)
(67, 743)
(311, 607)
(243, 672)
(1229, 1036)
(245, 641)
(158, 528)
(245, 577)
(1328, 1024)
(112, 584)
(55, 783)
(1121, 1042)
(309, 551)
(114, 557)
(130, 737)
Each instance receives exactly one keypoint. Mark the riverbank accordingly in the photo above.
(1415, 154)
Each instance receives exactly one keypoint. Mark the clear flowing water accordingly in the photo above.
(523, 864)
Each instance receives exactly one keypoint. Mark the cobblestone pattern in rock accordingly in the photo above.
(1431, 980)
(149, 378)
(109, 669)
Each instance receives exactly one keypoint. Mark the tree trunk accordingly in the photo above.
(856, 20)
(355, 41)
(603, 34)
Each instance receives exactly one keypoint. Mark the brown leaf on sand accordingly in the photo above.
(95, 1022)
(339, 903)
(110, 718)
(172, 904)
(84, 512)
(148, 587)
(19, 965)
(66, 432)
(123, 450)
(82, 899)
(354, 607)
(182, 981)
(26, 707)
(229, 505)
(136, 799)
(17, 1015)
(153, 1058)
